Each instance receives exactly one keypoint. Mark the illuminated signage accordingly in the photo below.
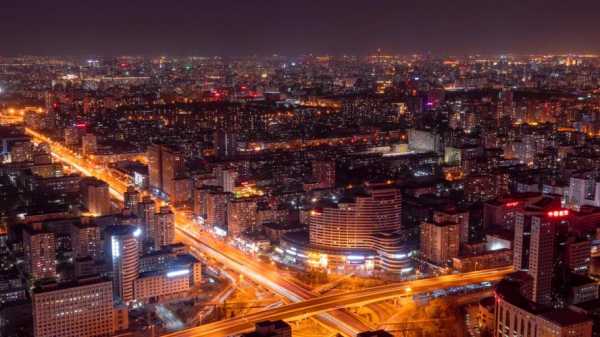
(178, 273)
(512, 204)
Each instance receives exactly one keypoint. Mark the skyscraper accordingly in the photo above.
(541, 259)
(123, 259)
(164, 165)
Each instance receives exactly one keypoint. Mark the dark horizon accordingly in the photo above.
(230, 28)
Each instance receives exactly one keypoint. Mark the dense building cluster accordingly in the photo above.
(384, 166)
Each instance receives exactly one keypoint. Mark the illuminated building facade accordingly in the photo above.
(39, 247)
(80, 309)
(440, 242)
(123, 259)
(165, 227)
(352, 224)
(241, 216)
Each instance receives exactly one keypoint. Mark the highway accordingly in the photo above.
(328, 311)
(326, 303)
(261, 273)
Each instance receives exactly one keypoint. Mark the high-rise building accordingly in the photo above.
(354, 221)
(535, 246)
(440, 242)
(89, 144)
(225, 144)
(165, 164)
(39, 246)
(165, 228)
(241, 216)
(541, 259)
(95, 196)
(123, 259)
(172, 166)
(86, 240)
(216, 209)
(154, 166)
(146, 213)
(459, 217)
(77, 309)
(131, 198)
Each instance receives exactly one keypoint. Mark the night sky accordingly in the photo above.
(247, 27)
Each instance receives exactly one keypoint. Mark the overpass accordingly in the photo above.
(327, 313)
(331, 302)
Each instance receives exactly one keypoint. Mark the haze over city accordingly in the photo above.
(243, 28)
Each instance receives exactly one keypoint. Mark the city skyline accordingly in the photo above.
(299, 169)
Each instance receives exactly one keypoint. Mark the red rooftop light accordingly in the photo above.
(558, 213)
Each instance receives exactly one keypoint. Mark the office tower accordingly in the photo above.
(165, 228)
(95, 196)
(123, 259)
(522, 240)
(172, 166)
(225, 144)
(439, 242)
(270, 329)
(535, 245)
(76, 309)
(216, 209)
(541, 259)
(39, 247)
(165, 164)
(131, 198)
(89, 144)
(353, 222)
(154, 166)
(241, 216)
(86, 240)
(324, 172)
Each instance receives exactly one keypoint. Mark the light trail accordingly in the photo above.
(263, 274)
